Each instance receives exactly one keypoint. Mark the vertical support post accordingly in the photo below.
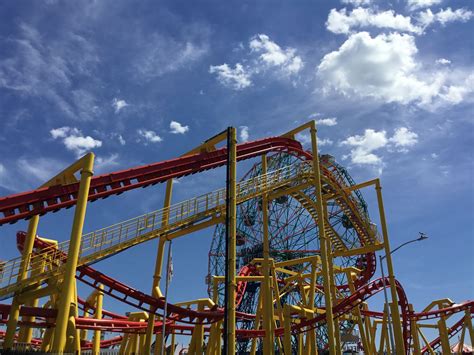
(155, 289)
(443, 335)
(165, 310)
(337, 332)
(287, 328)
(68, 286)
(395, 311)
(25, 261)
(365, 342)
(98, 315)
(231, 212)
(414, 332)
(322, 237)
(269, 341)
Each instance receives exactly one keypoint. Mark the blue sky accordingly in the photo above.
(390, 84)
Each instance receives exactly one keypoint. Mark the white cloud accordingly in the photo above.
(106, 164)
(177, 128)
(272, 55)
(149, 136)
(364, 147)
(237, 78)
(383, 67)
(457, 93)
(427, 17)
(325, 141)
(158, 55)
(329, 121)
(404, 138)
(357, 2)
(419, 4)
(265, 55)
(74, 141)
(121, 140)
(341, 21)
(46, 70)
(244, 133)
(443, 61)
(118, 105)
(40, 169)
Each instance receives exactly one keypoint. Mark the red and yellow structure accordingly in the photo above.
(48, 271)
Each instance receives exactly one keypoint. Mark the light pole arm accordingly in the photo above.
(394, 250)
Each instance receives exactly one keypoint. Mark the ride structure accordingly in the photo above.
(291, 264)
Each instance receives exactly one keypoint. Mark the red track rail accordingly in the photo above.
(48, 199)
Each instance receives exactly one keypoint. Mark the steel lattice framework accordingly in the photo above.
(301, 260)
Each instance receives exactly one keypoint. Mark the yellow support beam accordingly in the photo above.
(323, 244)
(395, 311)
(66, 308)
(232, 235)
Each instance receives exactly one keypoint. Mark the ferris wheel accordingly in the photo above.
(293, 233)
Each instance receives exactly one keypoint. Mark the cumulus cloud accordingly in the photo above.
(343, 22)
(118, 104)
(237, 78)
(324, 141)
(456, 93)
(178, 128)
(329, 121)
(244, 133)
(357, 2)
(149, 136)
(305, 140)
(364, 147)
(419, 4)
(272, 55)
(264, 56)
(382, 67)
(443, 61)
(444, 16)
(404, 138)
(74, 140)
(121, 140)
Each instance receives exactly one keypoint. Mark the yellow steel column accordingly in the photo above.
(25, 260)
(443, 335)
(395, 311)
(68, 284)
(269, 341)
(337, 332)
(98, 315)
(468, 324)
(155, 290)
(232, 214)
(414, 332)
(323, 243)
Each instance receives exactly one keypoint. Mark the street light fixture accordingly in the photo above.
(381, 257)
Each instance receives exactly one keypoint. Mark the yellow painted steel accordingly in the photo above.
(232, 235)
(66, 308)
(30, 278)
(395, 311)
(269, 340)
(323, 244)
(155, 289)
(25, 260)
(98, 315)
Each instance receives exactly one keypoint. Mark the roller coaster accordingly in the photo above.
(291, 264)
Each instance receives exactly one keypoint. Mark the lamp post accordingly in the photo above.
(381, 257)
